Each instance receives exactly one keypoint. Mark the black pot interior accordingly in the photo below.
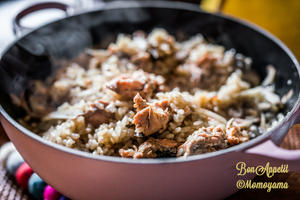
(34, 56)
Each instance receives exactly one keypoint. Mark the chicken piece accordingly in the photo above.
(165, 66)
(234, 133)
(129, 153)
(143, 61)
(235, 136)
(205, 70)
(152, 148)
(203, 140)
(139, 102)
(97, 115)
(199, 71)
(162, 43)
(127, 86)
(151, 118)
(202, 68)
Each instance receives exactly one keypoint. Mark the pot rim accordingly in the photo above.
(166, 5)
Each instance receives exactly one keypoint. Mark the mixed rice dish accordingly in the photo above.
(150, 96)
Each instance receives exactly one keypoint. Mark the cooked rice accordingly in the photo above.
(199, 92)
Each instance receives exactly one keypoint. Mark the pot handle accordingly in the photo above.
(19, 29)
(268, 151)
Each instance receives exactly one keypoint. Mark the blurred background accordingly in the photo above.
(280, 17)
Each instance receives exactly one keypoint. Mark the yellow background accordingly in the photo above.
(280, 17)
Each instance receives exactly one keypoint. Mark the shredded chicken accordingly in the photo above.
(202, 141)
(234, 133)
(213, 138)
(97, 116)
(152, 148)
(206, 66)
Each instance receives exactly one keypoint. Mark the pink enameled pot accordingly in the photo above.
(81, 175)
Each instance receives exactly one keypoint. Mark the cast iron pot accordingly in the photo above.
(81, 175)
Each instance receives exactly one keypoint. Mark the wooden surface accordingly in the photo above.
(9, 189)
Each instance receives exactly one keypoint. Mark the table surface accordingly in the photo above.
(10, 190)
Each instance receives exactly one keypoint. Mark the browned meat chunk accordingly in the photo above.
(204, 72)
(127, 86)
(152, 148)
(152, 118)
(97, 115)
(202, 141)
(234, 136)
